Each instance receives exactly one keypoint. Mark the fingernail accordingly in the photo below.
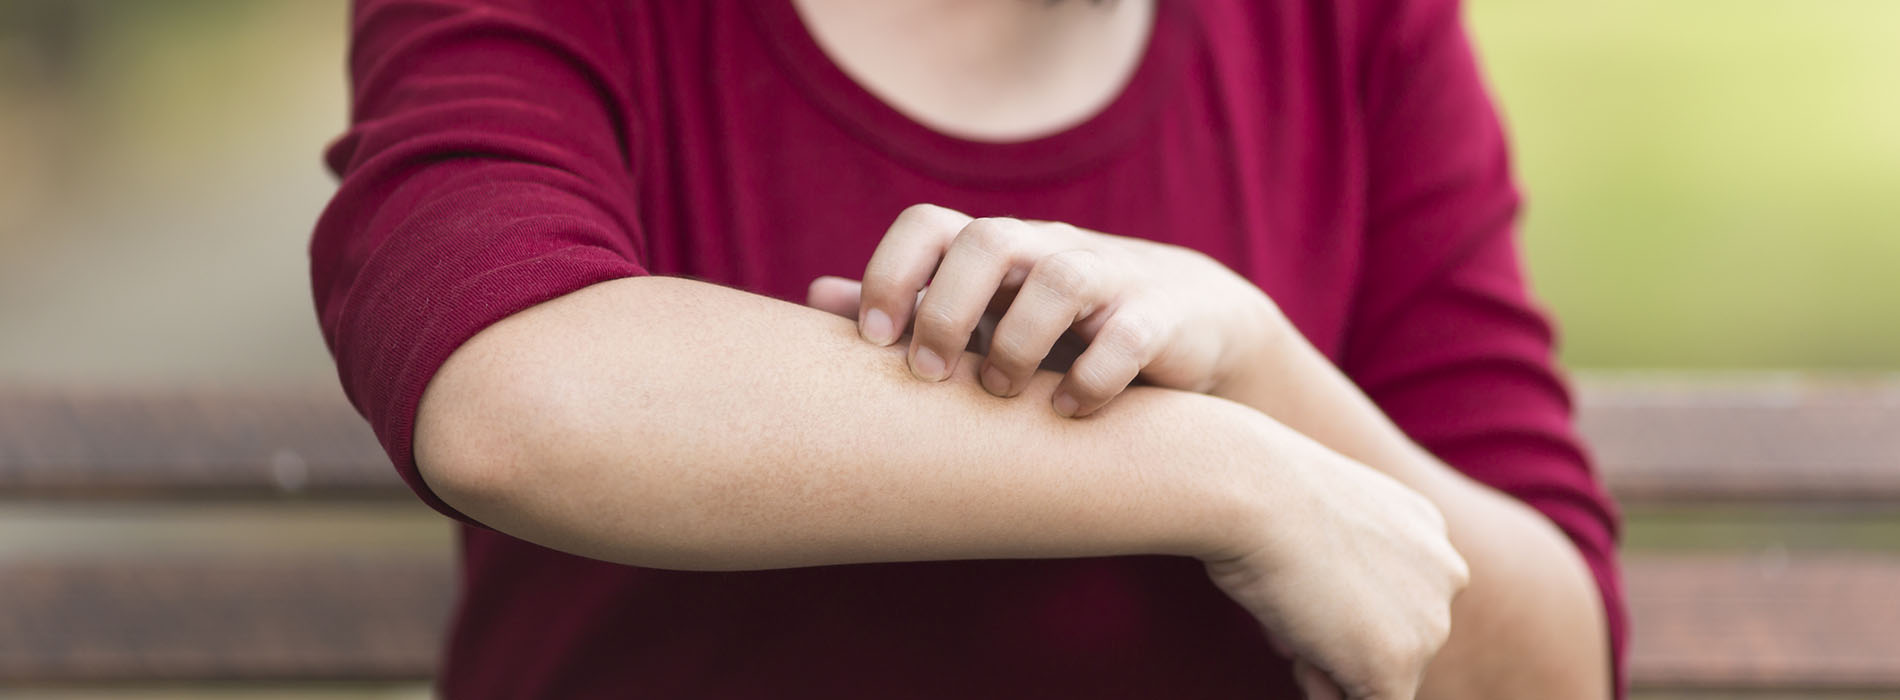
(1066, 405)
(927, 364)
(995, 381)
(877, 327)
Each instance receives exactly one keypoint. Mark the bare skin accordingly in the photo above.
(1014, 69)
(598, 424)
(1178, 319)
(998, 70)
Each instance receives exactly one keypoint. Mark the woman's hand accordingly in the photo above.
(1170, 315)
(1352, 574)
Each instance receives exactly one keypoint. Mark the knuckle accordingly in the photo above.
(1059, 230)
(925, 213)
(1088, 396)
(1425, 511)
(1460, 570)
(1130, 333)
(1460, 567)
(992, 235)
(1391, 650)
(1402, 652)
(886, 293)
(1067, 228)
(1010, 353)
(1408, 645)
(935, 320)
(1439, 633)
(1435, 516)
(879, 280)
(920, 210)
(1093, 382)
(1067, 273)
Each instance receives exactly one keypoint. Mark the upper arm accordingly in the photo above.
(1444, 335)
(485, 171)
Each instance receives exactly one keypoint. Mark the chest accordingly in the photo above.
(988, 71)
(763, 175)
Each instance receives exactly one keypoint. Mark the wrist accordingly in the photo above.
(1251, 470)
(1261, 334)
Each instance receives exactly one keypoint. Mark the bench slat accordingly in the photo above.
(1702, 621)
(1771, 620)
(1781, 440)
(179, 443)
(329, 618)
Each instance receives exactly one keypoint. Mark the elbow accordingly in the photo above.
(540, 426)
(1533, 594)
(482, 427)
(467, 453)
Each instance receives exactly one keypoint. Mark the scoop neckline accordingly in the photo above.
(1060, 155)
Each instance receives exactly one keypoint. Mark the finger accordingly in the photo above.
(1060, 289)
(972, 270)
(1127, 342)
(834, 295)
(1315, 683)
(840, 295)
(900, 267)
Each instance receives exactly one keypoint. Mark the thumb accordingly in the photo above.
(835, 295)
(1315, 683)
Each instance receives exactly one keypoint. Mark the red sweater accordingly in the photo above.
(1342, 154)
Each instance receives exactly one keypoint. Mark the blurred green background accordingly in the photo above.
(1712, 185)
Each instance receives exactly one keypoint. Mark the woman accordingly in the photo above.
(1312, 400)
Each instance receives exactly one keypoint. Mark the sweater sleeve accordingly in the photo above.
(1444, 335)
(486, 170)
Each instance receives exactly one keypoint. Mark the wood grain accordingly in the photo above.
(330, 618)
(1775, 620)
(1783, 440)
(185, 443)
(1700, 621)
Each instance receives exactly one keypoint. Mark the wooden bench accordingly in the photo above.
(200, 535)
(1763, 529)
(209, 535)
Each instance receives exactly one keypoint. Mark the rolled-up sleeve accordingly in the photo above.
(1444, 335)
(485, 171)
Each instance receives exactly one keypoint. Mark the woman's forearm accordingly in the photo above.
(675, 424)
(1530, 591)
(671, 423)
